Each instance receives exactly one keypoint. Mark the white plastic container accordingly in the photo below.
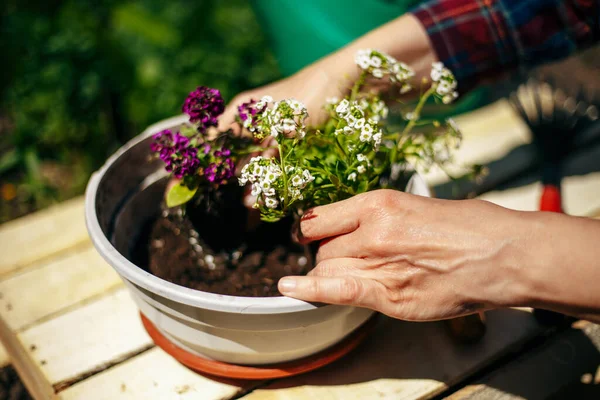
(122, 196)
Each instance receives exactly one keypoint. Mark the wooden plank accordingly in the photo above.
(38, 386)
(581, 195)
(87, 339)
(569, 357)
(51, 287)
(152, 375)
(42, 234)
(404, 360)
(100, 350)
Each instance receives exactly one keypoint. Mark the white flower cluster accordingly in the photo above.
(380, 64)
(286, 117)
(376, 107)
(364, 163)
(265, 175)
(367, 129)
(444, 82)
(298, 179)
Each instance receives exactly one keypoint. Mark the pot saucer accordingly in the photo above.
(281, 370)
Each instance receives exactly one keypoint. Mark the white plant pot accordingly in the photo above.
(123, 195)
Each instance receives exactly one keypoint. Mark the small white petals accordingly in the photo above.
(271, 202)
(352, 177)
(274, 131)
(342, 108)
(379, 64)
(350, 120)
(375, 62)
(307, 176)
(405, 88)
(365, 136)
(361, 169)
(444, 82)
(297, 180)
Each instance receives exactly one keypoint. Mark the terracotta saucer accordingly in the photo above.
(218, 368)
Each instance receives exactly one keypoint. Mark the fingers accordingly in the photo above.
(346, 290)
(339, 267)
(227, 119)
(329, 221)
(347, 245)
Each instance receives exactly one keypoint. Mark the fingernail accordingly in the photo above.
(287, 285)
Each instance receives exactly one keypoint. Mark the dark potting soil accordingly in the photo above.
(214, 251)
(11, 387)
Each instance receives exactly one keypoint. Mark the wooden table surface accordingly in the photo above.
(72, 332)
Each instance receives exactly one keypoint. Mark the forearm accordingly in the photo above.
(556, 264)
(403, 38)
(565, 275)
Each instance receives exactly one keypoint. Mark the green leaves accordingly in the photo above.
(9, 160)
(334, 179)
(179, 194)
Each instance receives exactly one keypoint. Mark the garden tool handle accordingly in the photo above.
(551, 199)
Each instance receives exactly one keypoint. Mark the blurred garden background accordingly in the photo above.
(81, 77)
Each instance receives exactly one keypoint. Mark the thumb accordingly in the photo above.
(346, 290)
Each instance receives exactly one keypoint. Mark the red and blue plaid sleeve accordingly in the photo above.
(477, 39)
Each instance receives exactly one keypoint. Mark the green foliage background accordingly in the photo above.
(80, 77)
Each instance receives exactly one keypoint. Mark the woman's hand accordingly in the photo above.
(412, 257)
(312, 86)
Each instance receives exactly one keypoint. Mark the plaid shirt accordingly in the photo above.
(477, 39)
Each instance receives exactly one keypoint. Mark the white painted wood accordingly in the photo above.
(38, 386)
(42, 234)
(151, 375)
(87, 339)
(581, 195)
(50, 287)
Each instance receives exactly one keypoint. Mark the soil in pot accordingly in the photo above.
(209, 247)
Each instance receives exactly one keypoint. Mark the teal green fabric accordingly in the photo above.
(302, 31)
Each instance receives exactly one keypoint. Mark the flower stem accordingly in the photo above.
(285, 177)
(339, 145)
(357, 85)
(417, 111)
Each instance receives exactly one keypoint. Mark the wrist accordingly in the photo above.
(505, 276)
(404, 38)
(561, 273)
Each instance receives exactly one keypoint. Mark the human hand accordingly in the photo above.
(312, 86)
(412, 257)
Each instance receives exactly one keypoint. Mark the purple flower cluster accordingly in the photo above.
(180, 157)
(222, 169)
(247, 113)
(204, 105)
